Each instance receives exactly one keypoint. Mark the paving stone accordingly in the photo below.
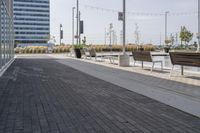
(44, 96)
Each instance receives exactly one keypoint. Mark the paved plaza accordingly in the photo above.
(44, 95)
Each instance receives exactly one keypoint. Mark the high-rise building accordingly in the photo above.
(31, 22)
(6, 33)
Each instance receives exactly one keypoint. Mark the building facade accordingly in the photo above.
(31, 22)
(6, 32)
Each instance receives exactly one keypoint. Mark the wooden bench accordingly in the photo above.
(144, 56)
(184, 59)
(92, 54)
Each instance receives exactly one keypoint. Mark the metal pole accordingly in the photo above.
(116, 38)
(73, 25)
(166, 13)
(113, 39)
(77, 22)
(60, 34)
(79, 36)
(105, 36)
(124, 26)
(198, 48)
(160, 39)
(110, 37)
(110, 30)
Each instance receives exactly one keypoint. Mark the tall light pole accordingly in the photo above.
(105, 36)
(61, 33)
(198, 35)
(79, 33)
(124, 26)
(110, 28)
(166, 13)
(124, 59)
(77, 22)
(73, 8)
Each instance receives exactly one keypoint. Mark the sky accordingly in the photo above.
(98, 14)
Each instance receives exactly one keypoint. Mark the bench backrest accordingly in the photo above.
(185, 59)
(82, 52)
(71, 51)
(142, 56)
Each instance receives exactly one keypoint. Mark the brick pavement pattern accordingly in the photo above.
(43, 96)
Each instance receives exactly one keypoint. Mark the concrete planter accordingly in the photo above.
(77, 53)
(124, 60)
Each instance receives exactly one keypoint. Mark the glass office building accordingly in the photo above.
(6, 32)
(31, 22)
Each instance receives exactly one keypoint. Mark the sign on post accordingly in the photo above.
(81, 27)
(120, 16)
(76, 36)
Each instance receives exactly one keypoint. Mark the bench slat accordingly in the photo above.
(142, 56)
(185, 59)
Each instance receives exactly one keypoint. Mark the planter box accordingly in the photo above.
(124, 60)
(166, 50)
(77, 53)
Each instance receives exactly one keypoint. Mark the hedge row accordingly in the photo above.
(98, 48)
(119, 48)
(31, 50)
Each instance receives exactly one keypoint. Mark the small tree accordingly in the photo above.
(84, 40)
(137, 36)
(168, 41)
(185, 36)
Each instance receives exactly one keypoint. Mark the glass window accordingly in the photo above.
(6, 33)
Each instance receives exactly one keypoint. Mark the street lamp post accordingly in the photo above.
(79, 33)
(105, 36)
(124, 26)
(166, 13)
(77, 22)
(73, 8)
(110, 30)
(61, 33)
(124, 59)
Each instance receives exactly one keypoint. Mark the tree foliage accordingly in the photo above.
(185, 35)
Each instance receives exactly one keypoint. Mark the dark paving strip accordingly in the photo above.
(43, 96)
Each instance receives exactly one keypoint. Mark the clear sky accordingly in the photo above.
(151, 24)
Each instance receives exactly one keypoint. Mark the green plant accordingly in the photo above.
(168, 41)
(79, 46)
(185, 35)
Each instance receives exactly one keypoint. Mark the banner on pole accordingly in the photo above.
(120, 16)
(81, 27)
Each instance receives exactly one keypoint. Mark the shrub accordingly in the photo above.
(61, 49)
(31, 49)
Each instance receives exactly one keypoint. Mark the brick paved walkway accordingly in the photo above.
(43, 96)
